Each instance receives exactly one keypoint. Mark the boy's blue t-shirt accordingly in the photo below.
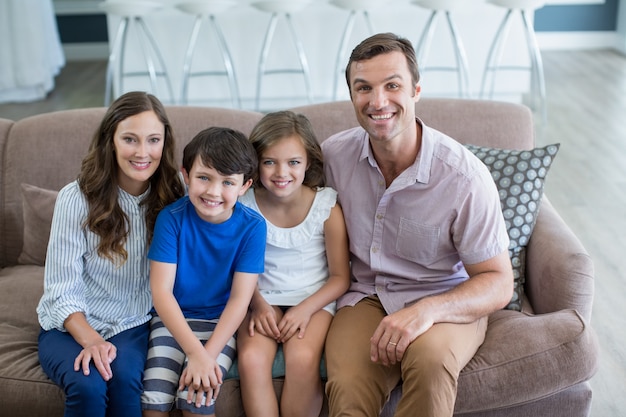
(207, 255)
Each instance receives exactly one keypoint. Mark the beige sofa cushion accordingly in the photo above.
(22, 380)
(525, 358)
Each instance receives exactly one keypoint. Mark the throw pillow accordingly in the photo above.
(519, 177)
(38, 207)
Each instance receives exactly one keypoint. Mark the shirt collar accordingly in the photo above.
(133, 198)
(420, 169)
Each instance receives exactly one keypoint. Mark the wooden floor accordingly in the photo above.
(587, 183)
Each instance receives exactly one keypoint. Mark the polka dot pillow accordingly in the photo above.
(519, 177)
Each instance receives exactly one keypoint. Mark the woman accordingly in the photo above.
(94, 312)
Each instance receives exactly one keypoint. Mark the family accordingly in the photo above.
(384, 249)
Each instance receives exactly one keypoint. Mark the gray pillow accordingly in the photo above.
(519, 177)
(38, 207)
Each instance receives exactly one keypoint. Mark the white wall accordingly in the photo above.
(320, 26)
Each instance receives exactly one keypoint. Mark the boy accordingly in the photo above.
(205, 258)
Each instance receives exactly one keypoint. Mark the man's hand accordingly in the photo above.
(396, 332)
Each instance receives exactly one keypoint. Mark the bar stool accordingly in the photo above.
(494, 58)
(355, 7)
(206, 10)
(422, 49)
(278, 9)
(132, 13)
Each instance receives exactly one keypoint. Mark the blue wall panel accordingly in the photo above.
(595, 17)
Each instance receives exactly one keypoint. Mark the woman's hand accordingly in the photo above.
(95, 348)
(102, 353)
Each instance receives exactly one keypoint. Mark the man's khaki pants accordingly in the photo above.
(429, 369)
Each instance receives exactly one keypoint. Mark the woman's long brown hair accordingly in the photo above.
(98, 178)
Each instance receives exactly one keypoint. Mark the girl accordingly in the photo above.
(96, 304)
(306, 269)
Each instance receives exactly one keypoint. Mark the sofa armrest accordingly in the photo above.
(559, 271)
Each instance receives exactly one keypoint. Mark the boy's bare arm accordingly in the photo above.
(244, 285)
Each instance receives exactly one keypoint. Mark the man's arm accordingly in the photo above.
(488, 289)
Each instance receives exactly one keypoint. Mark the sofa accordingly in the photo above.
(537, 359)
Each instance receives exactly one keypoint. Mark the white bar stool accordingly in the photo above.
(206, 10)
(494, 58)
(132, 13)
(355, 7)
(281, 8)
(422, 49)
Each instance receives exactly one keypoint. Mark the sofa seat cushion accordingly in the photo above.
(22, 381)
(525, 358)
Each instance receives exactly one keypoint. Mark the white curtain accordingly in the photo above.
(30, 50)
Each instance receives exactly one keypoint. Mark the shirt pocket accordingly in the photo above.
(417, 242)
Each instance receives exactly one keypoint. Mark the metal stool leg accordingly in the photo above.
(423, 50)
(494, 56)
(189, 58)
(157, 52)
(538, 85)
(228, 63)
(269, 36)
(304, 66)
(368, 21)
(461, 59)
(423, 46)
(152, 74)
(115, 66)
(343, 45)
(494, 59)
(303, 61)
(120, 40)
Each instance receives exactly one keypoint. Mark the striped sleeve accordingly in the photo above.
(63, 283)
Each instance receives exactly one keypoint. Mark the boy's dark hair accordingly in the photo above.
(226, 150)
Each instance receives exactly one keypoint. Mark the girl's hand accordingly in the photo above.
(263, 318)
(202, 376)
(295, 320)
(102, 353)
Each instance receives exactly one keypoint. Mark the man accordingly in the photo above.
(428, 246)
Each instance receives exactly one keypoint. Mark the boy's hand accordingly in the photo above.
(201, 376)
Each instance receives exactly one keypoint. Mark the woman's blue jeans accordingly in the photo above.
(91, 395)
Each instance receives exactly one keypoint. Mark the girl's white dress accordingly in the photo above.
(295, 257)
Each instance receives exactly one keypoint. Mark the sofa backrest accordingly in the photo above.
(479, 122)
(46, 150)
